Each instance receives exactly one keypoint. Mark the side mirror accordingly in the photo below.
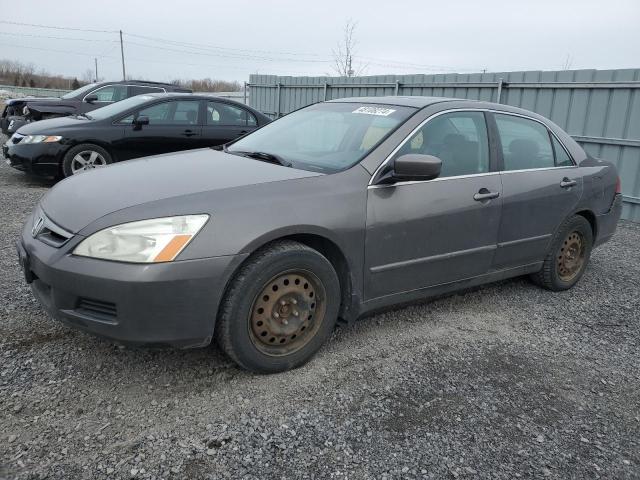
(141, 120)
(416, 167)
(91, 98)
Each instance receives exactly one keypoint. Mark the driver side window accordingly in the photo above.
(459, 139)
(111, 93)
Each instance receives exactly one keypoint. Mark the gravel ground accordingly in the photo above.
(505, 381)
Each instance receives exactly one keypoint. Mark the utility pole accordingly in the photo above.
(96, 60)
(124, 75)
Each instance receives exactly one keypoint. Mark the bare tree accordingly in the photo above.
(87, 76)
(343, 54)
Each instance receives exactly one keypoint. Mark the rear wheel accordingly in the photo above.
(568, 256)
(82, 158)
(279, 309)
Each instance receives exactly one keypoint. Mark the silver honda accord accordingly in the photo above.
(331, 212)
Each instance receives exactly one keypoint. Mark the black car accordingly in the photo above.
(19, 111)
(136, 127)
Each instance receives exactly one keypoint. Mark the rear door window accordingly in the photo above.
(525, 143)
(222, 114)
(111, 93)
(562, 157)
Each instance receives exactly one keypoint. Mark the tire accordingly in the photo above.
(87, 151)
(568, 256)
(279, 309)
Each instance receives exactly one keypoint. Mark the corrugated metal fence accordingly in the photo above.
(599, 108)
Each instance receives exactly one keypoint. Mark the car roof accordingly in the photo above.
(199, 96)
(400, 100)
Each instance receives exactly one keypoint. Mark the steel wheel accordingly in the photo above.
(87, 160)
(571, 256)
(287, 312)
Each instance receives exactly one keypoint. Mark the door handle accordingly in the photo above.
(568, 183)
(189, 133)
(484, 194)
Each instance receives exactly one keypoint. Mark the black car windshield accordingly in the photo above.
(326, 137)
(78, 91)
(118, 107)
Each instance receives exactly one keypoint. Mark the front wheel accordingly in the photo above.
(280, 308)
(82, 158)
(568, 256)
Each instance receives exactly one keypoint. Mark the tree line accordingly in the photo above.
(27, 75)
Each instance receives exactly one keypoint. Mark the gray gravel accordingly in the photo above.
(504, 381)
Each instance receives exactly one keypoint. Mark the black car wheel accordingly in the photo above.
(568, 256)
(82, 158)
(280, 308)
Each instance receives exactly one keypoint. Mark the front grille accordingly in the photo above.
(104, 311)
(48, 232)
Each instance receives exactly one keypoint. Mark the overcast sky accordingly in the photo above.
(232, 39)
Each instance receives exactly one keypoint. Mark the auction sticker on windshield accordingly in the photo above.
(383, 112)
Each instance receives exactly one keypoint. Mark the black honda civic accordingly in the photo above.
(139, 126)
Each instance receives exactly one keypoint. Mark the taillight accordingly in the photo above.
(618, 186)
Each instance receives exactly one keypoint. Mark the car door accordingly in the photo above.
(541, 187)
(426, 233)
(225, 122)
(173, 126)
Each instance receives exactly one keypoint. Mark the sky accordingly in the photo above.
(169, 39)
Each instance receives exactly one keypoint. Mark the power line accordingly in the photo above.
(37, 25)
(58, 38)
(228, 55)
(56, 51)
(203, 46)
(216, 50)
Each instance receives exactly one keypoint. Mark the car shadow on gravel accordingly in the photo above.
(18, 179)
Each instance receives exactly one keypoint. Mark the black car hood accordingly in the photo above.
(52, 126)
(78, 201)
(11, 101)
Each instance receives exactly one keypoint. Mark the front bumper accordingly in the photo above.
(11, 123)
(36, 158)
(172, 303)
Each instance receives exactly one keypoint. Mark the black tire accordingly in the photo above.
(280, 263)
(68, 160)
(554, 274)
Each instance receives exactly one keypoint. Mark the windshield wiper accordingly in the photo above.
(84, 115)
(264, 156)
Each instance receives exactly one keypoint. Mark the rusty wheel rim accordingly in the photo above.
(571, 256)
(287, 312)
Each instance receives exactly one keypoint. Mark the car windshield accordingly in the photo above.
(118, 107)
(326, 137)
(78, 91)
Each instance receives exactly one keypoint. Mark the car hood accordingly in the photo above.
(51, 126)
(82, 199)
(11, 101)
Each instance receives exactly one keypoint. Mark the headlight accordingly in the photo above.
(146, 241)
(41, 139)
(25, 110)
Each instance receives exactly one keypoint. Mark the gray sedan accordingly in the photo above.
(326, 214)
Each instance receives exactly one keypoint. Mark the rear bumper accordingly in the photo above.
(172, 303)
(608, 222)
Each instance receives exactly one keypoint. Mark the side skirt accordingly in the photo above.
(398, 299)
